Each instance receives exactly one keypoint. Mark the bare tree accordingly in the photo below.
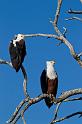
(64, 97)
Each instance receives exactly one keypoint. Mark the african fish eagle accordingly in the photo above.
(49, 82)
(17, 50)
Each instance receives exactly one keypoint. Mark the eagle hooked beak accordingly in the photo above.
(54, 62)
(24, 35)
(19, 35)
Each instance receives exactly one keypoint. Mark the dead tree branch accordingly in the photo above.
(66, 117)
(62, 38)
(24, 74)
(22, 116)
(56, 111)
(72, 99)
(6, 62)
(69, 93)
(74, 18)
(42, 35)
(70, 11)
(17, 110)
(17, 114)
(24, 82)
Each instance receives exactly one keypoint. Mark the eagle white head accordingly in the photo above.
(50, 69)
(50, 63)
(19, 37)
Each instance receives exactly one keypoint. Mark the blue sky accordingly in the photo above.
(33, 16)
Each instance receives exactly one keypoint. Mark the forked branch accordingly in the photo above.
(62, 38)
(66, 117)
(27, 103)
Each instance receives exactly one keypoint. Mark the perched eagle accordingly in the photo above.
(17, 50)
(49, 82)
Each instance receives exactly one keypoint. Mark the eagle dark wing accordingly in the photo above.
(21, 49)
(43, 81)
(44, 87)
(17, 54)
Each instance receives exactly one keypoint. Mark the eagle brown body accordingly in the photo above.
(52, 86)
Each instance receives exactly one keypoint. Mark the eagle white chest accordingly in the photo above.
(51, 73)
(14, 43)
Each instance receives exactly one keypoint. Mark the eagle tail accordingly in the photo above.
(16, 65)
(48, 102)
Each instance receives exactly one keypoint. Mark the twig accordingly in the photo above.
(65, 31)
(80, 54)
(56, 112)
(67, 117)
(59, 43)
(6, 62)
(70, 11)
(72, 99)
(74, 18)
(22, 116)
(57, 108)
